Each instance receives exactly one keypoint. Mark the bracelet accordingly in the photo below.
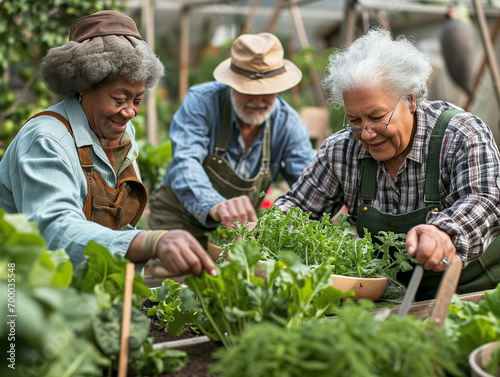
(150, 242)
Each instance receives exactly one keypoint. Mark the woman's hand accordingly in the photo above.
(429, 245)
(180, 253)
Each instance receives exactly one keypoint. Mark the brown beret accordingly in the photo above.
(104, 22)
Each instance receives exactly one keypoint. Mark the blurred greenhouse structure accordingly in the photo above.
(187, 31)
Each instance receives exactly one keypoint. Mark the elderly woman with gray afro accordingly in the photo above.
(73, 167)
(408, 165)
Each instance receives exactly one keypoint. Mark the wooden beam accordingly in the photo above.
(349, 26)
(488, 47)
(304, 44)
(184, 53)
(247, 28)
(148, 20)
(482, 66)
(271, 26)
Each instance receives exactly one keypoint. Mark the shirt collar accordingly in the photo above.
(85, 136)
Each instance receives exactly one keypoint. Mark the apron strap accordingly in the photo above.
(369, 181)
(225, 131)
(431, 193)
(83, 152)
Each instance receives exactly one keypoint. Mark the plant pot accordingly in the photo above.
(369, 288)
(479, 358)
(214, 250)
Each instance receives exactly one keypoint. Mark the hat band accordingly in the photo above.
(257, 75)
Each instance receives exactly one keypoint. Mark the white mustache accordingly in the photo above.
(252, 106)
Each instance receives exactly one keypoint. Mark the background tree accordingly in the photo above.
(28, 28)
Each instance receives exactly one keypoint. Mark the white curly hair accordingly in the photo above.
(376, 58)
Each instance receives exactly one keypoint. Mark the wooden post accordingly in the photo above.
(276, 15)
(304, 44)
(349, 26)
(482, 66)
(247, 28)
(126, 316)
(151, 118)
(488, 47)
(184, 53)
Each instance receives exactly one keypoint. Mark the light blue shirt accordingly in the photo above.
(194, 132)
(41, 177)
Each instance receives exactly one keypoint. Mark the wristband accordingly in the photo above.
(150, 242)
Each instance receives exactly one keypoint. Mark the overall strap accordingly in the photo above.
(369, 179)
(435, 144)
(225, 131)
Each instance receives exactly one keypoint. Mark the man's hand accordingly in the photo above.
(232, 210)
(180, 253)
(431, 245)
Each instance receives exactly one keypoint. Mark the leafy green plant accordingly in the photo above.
(153, 162)
(237, 297)
(66, 327)
(353, 343)
(493, 364)
(471, 324)
(317, 241)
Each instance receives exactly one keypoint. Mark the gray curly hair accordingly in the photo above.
(76, 67)
(376, 58)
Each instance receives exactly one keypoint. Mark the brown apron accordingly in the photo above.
(112, 208)
(167, 212)
(481, 274)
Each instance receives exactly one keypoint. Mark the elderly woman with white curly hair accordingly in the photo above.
(73, 168)
(407, 165)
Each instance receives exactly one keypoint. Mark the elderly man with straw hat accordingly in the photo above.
(232, 138)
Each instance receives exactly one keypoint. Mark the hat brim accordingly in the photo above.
(270, 85)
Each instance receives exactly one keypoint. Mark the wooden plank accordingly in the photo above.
(488, 47)
(182, 343)
(422, 309)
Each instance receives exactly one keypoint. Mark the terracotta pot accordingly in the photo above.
(479, 358)
(214, 250)
(369, 288)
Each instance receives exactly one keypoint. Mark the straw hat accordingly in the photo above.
(256, 66)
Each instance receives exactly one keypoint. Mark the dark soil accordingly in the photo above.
(199, 356)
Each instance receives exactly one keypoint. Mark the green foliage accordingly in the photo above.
(493, 364)
(104, 274)
(471, 325)
(50, 320)
(167, 299)
(158, 361)
(317, 241)
(28, 28)
(351, 344)
(58, 329)
(153, 162)
(239, 296)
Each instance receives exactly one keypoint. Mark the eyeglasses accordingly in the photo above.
(373, 128)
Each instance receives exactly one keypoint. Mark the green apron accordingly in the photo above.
(481, 274)
(167, 212)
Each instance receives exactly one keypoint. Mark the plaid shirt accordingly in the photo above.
(469, 183)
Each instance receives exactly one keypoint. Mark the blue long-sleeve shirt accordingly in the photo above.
(41, 177)
(194, 132)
